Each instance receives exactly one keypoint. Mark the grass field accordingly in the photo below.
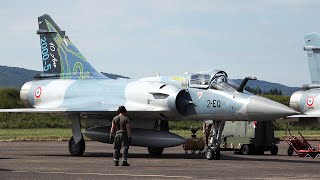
(56, 134)
(35, 134)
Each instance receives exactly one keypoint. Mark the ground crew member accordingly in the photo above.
(120, 135)
(206, 128)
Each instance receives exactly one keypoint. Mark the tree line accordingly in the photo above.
(10, 98)
(257, 90)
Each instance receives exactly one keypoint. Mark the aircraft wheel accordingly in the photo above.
(209, 154)
(155, 151)
(245, 149)
(76, 149)
(274, 150)
(290, 151)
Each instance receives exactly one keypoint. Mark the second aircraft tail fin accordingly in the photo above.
(312, 47)
(60, 57)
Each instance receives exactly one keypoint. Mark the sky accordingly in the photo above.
(138, 38)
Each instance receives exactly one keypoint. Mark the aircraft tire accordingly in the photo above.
(76, 149)
(212, 155)
(155, 151)
(209, 154)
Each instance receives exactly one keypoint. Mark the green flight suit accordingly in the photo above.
(121, 139)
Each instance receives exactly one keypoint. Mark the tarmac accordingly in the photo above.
(51, 160)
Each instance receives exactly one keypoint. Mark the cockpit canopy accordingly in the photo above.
(214, 79)
(200, 80)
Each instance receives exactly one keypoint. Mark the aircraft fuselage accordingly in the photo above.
(145, 99)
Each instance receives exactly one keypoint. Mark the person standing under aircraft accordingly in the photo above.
(120, 135)
(206, 128)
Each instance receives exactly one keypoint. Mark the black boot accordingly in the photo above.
(116, 163)
(125, 163)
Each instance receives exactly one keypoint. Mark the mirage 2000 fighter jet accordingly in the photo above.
(70, 85)
(307, 101)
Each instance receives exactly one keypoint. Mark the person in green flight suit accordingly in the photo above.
(120, 135)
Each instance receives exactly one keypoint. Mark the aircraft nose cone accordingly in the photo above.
(264, 109)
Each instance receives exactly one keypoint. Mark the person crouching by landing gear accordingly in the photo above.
(120, 135)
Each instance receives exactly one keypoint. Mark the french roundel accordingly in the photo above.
(310, 101)
(37, 92)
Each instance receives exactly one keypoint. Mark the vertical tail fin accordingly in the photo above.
(312, 46)
(59, 55)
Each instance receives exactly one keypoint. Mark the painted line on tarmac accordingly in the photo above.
(102, 174)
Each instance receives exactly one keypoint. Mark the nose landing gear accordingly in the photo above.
(213, 150)
(212, 154)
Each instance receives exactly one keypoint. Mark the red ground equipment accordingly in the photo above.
(301, 147)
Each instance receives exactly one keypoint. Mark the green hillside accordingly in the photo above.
(14, 77)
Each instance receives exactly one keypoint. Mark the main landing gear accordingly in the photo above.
(213, 150)
(154, 152)
(77, 144)
(161, 125)
(76, 149)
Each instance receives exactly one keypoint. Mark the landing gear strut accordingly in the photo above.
(77, 144)
(162, 126)
(213, 150)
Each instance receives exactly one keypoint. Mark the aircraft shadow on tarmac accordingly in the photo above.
(137, 155)
(2, 170)
(294, 159)
(7, 158)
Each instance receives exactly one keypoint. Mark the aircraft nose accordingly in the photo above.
(264, 109)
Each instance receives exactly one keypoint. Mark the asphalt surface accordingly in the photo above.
(51, 160)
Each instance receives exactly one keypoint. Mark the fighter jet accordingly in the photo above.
(70, 85)
(307, 101)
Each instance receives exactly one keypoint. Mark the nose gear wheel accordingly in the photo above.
(213, 149)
